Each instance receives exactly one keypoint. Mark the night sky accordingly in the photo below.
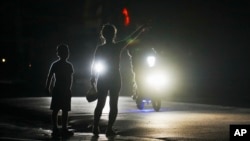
(207, 41)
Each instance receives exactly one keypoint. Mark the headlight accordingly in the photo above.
(158, 80)
(151, 61)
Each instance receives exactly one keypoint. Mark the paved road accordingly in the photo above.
(29, 119)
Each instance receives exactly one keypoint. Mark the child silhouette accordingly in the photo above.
(62, 71)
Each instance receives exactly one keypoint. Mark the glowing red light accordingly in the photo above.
(125, 12)
(126, 16)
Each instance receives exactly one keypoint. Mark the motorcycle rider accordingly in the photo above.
(138, 56)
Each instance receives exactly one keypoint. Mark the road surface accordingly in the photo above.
(29, 119)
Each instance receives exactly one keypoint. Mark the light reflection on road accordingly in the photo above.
(174, 120)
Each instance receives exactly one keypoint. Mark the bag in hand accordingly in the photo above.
(92, 94)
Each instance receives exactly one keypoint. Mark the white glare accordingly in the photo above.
(3, 60)
(159, 80)
(106, 108)
(151, 61)
(99, 67)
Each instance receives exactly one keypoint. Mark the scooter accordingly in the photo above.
(151, 84)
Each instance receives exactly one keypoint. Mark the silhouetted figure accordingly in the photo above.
(138, 55)
(62, 71)
(107, 58)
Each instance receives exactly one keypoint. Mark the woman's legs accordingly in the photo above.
(113, 103)
(102, 95)
(98, 110)
(112, 84)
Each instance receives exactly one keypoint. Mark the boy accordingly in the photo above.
(62, 71)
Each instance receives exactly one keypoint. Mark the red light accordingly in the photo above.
(126, 16)
(125, 12)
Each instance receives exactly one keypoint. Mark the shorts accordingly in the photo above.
(61, 99)
(111, 83)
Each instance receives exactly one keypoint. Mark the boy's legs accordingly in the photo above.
(55, 118)
(65, 131)
(55, 122)
(64, 119)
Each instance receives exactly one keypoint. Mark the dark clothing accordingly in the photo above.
(61, 99)
(61, 94)
(110, 55)
(140, 65)
(110, 81)
(63, 72)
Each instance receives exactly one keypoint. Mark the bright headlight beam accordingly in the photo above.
(159, 80)
(151, 61)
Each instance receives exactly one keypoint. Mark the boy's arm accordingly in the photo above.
(48, 81)
(72, 75)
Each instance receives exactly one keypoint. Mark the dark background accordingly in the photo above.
(206, 42)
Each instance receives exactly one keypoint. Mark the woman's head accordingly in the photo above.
(108, 32)
(63, 51)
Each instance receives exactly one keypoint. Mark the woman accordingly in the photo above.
(108, 54)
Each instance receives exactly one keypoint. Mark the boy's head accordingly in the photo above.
(63, 51)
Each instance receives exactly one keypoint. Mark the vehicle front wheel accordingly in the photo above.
(140, 104)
